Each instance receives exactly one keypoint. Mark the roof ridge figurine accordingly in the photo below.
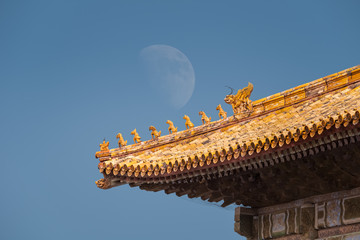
(136, 136)
(154, 134)
(205, 119)
(121, 141)
(222, 113)
(172, 128)
(240, 102)
(104, 146)
(188, 123)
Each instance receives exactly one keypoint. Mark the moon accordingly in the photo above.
(169, 73)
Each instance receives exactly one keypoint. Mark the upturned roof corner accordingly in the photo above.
(285, 126)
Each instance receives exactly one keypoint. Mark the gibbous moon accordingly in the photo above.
(169, 73)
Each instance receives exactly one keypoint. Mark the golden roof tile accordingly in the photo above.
(283, 118)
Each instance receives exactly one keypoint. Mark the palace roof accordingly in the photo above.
(280, 128)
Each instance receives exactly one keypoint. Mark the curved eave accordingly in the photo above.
(270, 105)
(242, 158)
(321, 164)
(283, 127)
(290, 136)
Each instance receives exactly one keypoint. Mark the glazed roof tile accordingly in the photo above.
(297, 112)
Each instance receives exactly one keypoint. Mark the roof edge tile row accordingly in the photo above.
(348, 119)
(263, 106)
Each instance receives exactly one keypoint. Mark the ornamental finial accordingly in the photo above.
(205, 119)
(154, 133)
(136, 136)
(188, 123)
(103, 183)
(172, 128)
(121, 141)
(240, 102)
(222, 113)
(104, 146)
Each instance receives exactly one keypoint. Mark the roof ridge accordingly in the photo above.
(313, 83)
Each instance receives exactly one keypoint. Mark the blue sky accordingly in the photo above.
(70, 75)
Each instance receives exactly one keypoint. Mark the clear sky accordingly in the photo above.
(71, 74)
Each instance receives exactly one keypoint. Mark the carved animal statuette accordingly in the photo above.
(121, 141)
(172, 128)
(104, 146)
(154, 133)
(205, 119)
(103, 183)
(240, 102)
(222, 113)
(136, 136)
(188, 123)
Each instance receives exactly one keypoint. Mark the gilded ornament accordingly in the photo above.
(236, 153)
(163, 168)
(330, 122)
(188, 164)
(281, 140)
(296, 134)
(130, 171)
(339, 120)
(202, 161)
(321, 126)
(355, 117)
(176, 166)
(305, 131)
(195, 162)
(209, 158)
(267, 143)
(101, 167)
(216, 157)
(156, 170)
(136, 136)
(229, 156)
(123, 170)
(205, 119)
(169, 168)
(154, 134)
(188, 123)
(150, 170)
(103, 183)
(251, 148)
(109, 168)
(240, 102)
(274, 141)
(259, 145)
(121, 141)
(222, 113)
(104, 146)
(347, 118)
(288, 137)
(313, 129)
(172, 128)
(137, 171)
(116, 169)
(182, 165)
(143, 171)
